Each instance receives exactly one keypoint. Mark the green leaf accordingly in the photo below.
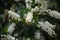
(5, 29)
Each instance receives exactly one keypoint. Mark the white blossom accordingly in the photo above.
(12, 38)
(2, 35)
(55, 14)
(16, 34)
(42, 2)
(16, 39)
(41, 7)
(46, 28)
(14, 15)
(9, 37)
(28, 6)
(11, 28)
(38, 35)
(50, 25)
(28, 3)
(35, 9)
(28, 39)
(29, 17)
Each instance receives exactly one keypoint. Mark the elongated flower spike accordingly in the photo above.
(47, 28)
(29, 17)
(14, 15)
(11, 28)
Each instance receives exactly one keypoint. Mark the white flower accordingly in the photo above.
(9, 37)
(16, 34)
(2, 35)
(16, 39)
(38, 35)
(35, 9)
(29, 17)
(11, 28)
(41, 6)
(28, 39)
(42, 2)
(50, 25)
(28, 6)
(55, 14)
(12, 38)
(47, 29)
(14, 15)
(28, 3)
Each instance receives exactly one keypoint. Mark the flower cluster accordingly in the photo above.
(11, 28)
(14, 15)
(29, 17)
(47, 27)
(8, 37)
(55, 14)
(39, 35)
(35, 8)
(28, 4)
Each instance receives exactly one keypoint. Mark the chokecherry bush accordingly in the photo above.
(31, 20)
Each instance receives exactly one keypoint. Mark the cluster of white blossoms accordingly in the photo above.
(50, 25)
(8, 37)
(38, 35)
(11, 28)
(40, 8)
(14, 15)
(41, 5)
(29, 17)
(47, 27)
(54, 14)
(28, 4)
(35, 9)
